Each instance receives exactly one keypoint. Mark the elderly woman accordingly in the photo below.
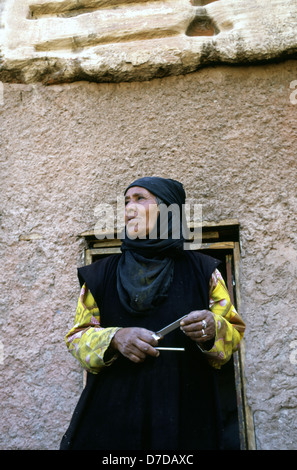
(137, 396)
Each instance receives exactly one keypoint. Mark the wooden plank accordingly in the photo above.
(236, 366)
(117, 242)
(107, 243)
(210, 235)
(217, 246)
(104, 251)
(113, 246)
(229, 277)
(236, 253)
(238, 362)
(222, 223)
(249, 422)
(205, 224)
(240, 401)
(88, 257)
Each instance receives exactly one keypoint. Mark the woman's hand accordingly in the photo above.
(199, 325)
(135, 343)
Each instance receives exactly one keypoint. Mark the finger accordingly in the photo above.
(203, 339)
(195, 327)
(191, 328)
(199, 336)
(149, 337)
(195, 316)
(147, 348)
(195, 331)
(193, 335)
(135, 358)
(136, 350)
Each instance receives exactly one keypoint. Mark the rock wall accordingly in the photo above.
(229, 133)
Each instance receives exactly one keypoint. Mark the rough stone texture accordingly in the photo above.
(123, 40)
(229, 133)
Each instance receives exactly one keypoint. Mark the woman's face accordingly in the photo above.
(141, 212)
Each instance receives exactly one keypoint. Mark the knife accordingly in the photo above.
(167, 329)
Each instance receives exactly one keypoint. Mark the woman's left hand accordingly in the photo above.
(199, 325)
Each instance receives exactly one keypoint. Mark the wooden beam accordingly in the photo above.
(249, 422)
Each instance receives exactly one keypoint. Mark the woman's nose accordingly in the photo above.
(131, 209)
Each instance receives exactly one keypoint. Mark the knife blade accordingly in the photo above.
(167, 329)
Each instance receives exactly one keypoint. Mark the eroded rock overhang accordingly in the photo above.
(54, 41)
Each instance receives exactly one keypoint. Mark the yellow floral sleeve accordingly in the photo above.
(87, 341)
(229, 325)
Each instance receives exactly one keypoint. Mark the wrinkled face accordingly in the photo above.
(141, 212)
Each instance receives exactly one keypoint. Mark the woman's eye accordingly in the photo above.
(135, 199)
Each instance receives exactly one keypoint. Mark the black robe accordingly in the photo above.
(165, 403)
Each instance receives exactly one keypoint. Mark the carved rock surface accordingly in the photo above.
(122, 40)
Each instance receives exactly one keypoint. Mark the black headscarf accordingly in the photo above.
(145, 270)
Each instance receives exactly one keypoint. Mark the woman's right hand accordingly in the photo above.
(135, 343)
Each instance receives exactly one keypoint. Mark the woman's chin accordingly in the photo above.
(134, 231)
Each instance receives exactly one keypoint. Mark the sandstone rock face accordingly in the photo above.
(125, 40)
(229, 134)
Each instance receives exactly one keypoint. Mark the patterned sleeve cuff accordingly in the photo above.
(109, 355)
